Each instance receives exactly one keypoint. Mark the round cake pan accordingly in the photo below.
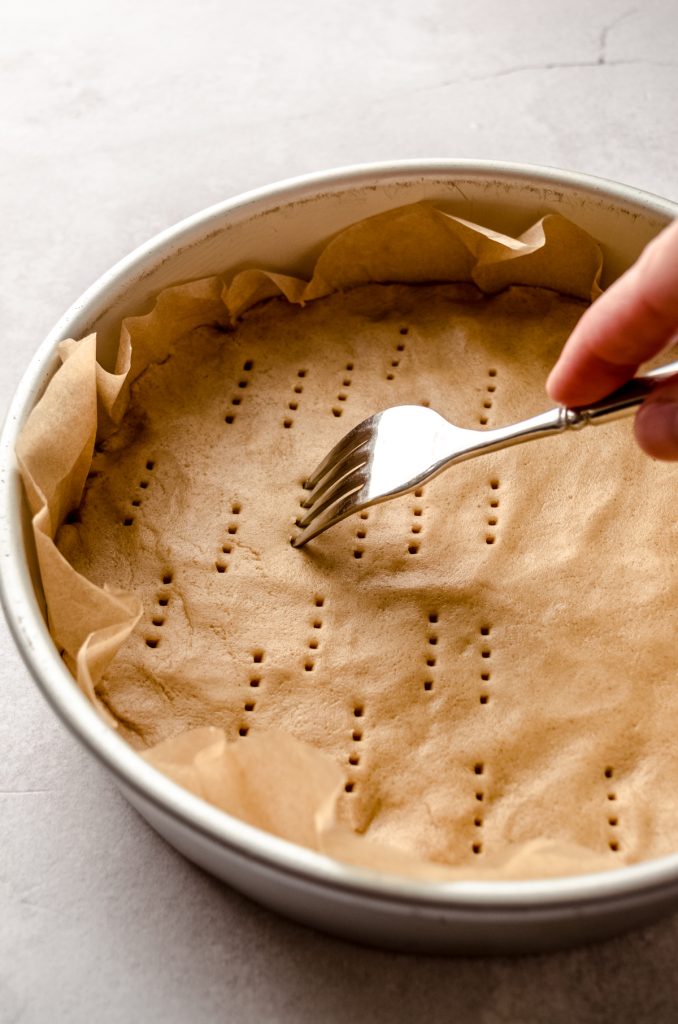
(283, 227)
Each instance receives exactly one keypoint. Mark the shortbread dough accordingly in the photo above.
(489, 661)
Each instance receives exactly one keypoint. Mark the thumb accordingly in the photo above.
(656, 426)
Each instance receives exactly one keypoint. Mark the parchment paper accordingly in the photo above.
(273, 781)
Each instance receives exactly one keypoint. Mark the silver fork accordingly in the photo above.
(398, 450)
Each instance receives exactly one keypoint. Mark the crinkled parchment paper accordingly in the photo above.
(273, 780)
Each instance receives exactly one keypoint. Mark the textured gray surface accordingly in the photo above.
(118, 120)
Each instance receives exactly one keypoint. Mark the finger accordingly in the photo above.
(656, 426)
(631, 322)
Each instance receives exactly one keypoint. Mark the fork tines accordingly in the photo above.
(335, 483)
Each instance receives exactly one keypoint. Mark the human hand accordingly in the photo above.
(631, 322)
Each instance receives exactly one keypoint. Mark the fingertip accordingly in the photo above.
(553, 389)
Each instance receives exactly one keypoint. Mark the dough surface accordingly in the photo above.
(490, 661)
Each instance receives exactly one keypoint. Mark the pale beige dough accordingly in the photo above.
(490, 661)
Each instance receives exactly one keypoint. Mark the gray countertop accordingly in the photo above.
(118, 120)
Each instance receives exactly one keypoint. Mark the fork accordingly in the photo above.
(396, 451)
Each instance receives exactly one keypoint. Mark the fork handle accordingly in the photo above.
(620, 403)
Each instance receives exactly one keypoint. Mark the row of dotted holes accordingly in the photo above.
(485, 673)
(360, 535)
(491, 387)
(477, 846)
(255, 682)
(247, 367)
(487, 402)
(159, 618)
(416, 528)
(293, 403)
(492, 518)
(342, 396)
(136, 502)
(226, 548)
(314, 642)
(613, 819)
(395, 362)
(354, 757)
(430, 656)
